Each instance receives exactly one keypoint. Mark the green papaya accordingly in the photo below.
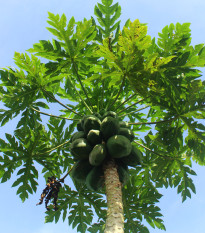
(134, 158)
(83, 120)
(97, 115)
(124, 124)
(80, 148)
(91, 122)
(77, 135)
(80, 170)
(102, 112)
(79, 126)
(109, 127)
(123, 174)
(95, 178)
(94, 137)
(127, 133)
(119, 146)
(111, 114)
(97, 155)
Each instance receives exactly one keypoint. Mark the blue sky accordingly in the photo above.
(22, 23)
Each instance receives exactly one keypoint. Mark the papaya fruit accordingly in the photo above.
(82, 121)
(84, 118)
(98, 154)
(111, 114)
(102, 112)
(97, 115)
(91, 122)
(80, 148)
(123, 174)
(119, 146)
(94, 137)
(127, 133)
(124, 124)
(123, 171)
(79, 126)
(109, 127)
(134, 158)
(80, 170)
(77, 135)
(95, 178)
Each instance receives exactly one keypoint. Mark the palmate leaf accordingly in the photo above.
(179, 63)
(173, 86)
(28, 175)
(72, 42)
(38, 73)
(21, 90)
(111, 13)
(59, 24)
(174, 37)
(97, 227)
(12, 154)
(16, 96)
(48, 50)
(169, 169)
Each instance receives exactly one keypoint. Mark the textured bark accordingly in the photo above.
(115, 216)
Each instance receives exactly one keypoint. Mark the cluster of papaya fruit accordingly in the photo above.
(102, 137)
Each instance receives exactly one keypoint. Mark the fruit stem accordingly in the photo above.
(121, 89)
(139, 101)
(124, 102)
(63, 178)
(53, 149)
(139, 109)
(152, 123)
(163, 156)
(54, 115)
(81, 98)
(79, 80)
(52, 97)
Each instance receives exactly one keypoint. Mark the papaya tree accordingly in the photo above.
(111, 109)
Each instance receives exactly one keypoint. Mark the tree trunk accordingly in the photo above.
(115, 216)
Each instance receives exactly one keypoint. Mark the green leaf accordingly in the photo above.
(107, 14)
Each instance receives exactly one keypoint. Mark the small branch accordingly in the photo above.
(109, 98)
(110, 42)
(54, 115)
(62, 179)
(152, 123)
(61, 103)
(121, 88)
(76, 71)
(124, 102)
(131, 105)
(163, 156)
(53, 149)
(135, 111)
(102, 100)
(81, 98)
